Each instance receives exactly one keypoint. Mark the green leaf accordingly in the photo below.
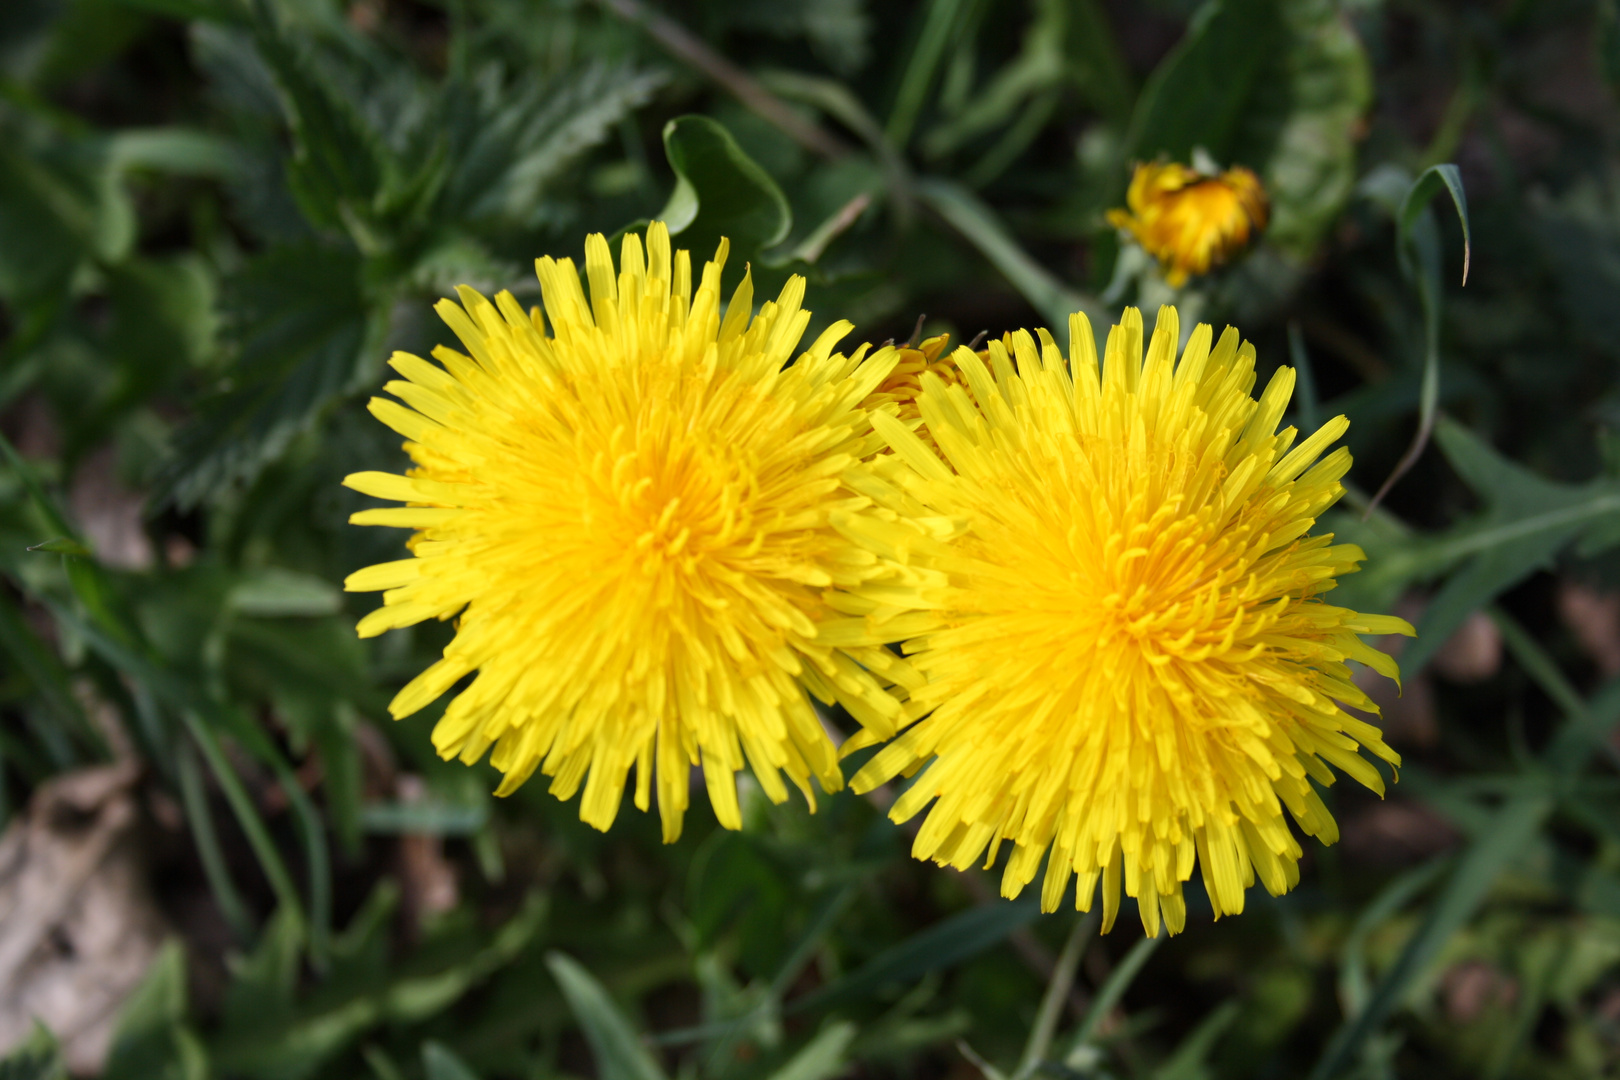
(822, 1057)
(61, 202)
(1302, 123)
(1432, 181)
(303, 336)
(181, 151)
(941, 946)
(617, 1050)
(441, 1064)
(1191, 1060)
(720, 191)
(1198, 95)
(37, 1058)
(326, 1025)
(151, 1042)
(1578, 233)
(339, 161)
(272, 592)
(514, 142)
(979, 225)
(265, 983)
(1277, 85)
(1528, 520)
(423, 818)
(941, 22)
(64, 545)
(1417, 243)
(1511, 829)
(1119, 980)
(1608, 42)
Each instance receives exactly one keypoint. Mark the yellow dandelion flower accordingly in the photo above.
(1189, 221)
(1131, 666)
(904, 383)
(629, 519)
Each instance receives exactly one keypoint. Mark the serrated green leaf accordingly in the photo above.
(615, 1047)
(720, 191)
(514, 142)
(303, 334)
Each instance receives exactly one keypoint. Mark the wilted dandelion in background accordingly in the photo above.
(1132, 666)
(631, 520)
(1191, 222)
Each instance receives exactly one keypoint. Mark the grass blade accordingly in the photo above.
(1057, 994)
(1119, 980)
(614, 1044)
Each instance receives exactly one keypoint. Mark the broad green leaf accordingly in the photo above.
(339, 161)
(1199, 94)
(60, 204)
(1277, 85)
(440, 1063)
(265, 982)
(615, 1046)
(720, 191)
(1301, 127)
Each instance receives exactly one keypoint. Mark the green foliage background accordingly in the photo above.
(217, 217)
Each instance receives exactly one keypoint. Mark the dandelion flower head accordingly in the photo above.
(1190, 221)
(1132, 666)
(904, 383)
(629, 519)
